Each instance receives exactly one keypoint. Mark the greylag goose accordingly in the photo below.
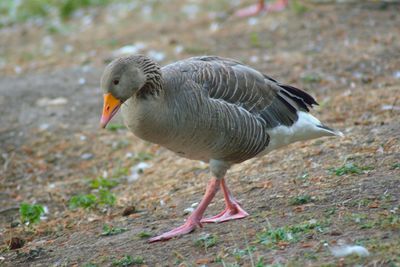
(256, 9)
(211, 109)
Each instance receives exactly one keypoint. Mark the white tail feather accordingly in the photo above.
(330, 131)
(305, 128)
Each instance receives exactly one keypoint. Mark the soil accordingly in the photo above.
(344, 54)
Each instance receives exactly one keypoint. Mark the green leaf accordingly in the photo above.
(30, 213)
(106, 197)
(101, 182)
(82, 201)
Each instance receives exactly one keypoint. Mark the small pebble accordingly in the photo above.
(68, 48)
(14, 224)
(252, 21)
(396, 74)
(15, 243)
(178, 49)
(42, 102)
(17, 69)
(254, 59)
(214, 27)
(86, 156)
(188, 210)
(44, 126)
(156, 55)
(129, 210)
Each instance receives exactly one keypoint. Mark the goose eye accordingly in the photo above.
(115, 82)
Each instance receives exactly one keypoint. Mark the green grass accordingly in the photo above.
(113, 127)
(101, 196)
(272, 237)
(382, 222)
(240, 253)
(106, 197)
(206, 241)
(20, 11)
(143, 156)
(300, 200)
(311, 78)
(144, 234)
(255, 39)
(67, 7)
(88, 201)
(349, 168)
(111, 230)
(30, 213)
(196, 50)
(120, 172)
(298, 8)
(128, 261)
(395, 166)
(82, 201)
(101, 182)
(304, 176)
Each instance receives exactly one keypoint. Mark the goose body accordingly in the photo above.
(212, 109)
(215, 108)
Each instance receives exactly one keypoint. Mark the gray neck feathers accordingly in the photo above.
(152, 71)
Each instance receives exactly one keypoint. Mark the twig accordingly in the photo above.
(248, 248)
(7, 162)
(393, 105)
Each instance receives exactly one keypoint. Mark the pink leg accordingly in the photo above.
(279, 5)
(251, 10)
(194, 219)
(232, 210)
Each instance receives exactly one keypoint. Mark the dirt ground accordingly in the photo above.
(347, 55)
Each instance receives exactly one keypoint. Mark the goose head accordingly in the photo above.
(121, 79)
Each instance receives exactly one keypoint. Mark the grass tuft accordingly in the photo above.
(395, 166)
(144, 234)
(128, 261)
(106, 198)
(113, 127)
(287, 234)
(101, 182)
(206, 241)
(311, 78)
(300, 200)
(111, 230)
(20, 11)
(349, 168)
(82, 201)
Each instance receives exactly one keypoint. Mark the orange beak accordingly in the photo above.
(110, 108)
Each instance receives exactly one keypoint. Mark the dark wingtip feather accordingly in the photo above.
(308, 99)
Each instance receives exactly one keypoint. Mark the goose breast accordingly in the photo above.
(221, 109)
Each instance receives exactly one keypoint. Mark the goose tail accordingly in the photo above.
(330, 131)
